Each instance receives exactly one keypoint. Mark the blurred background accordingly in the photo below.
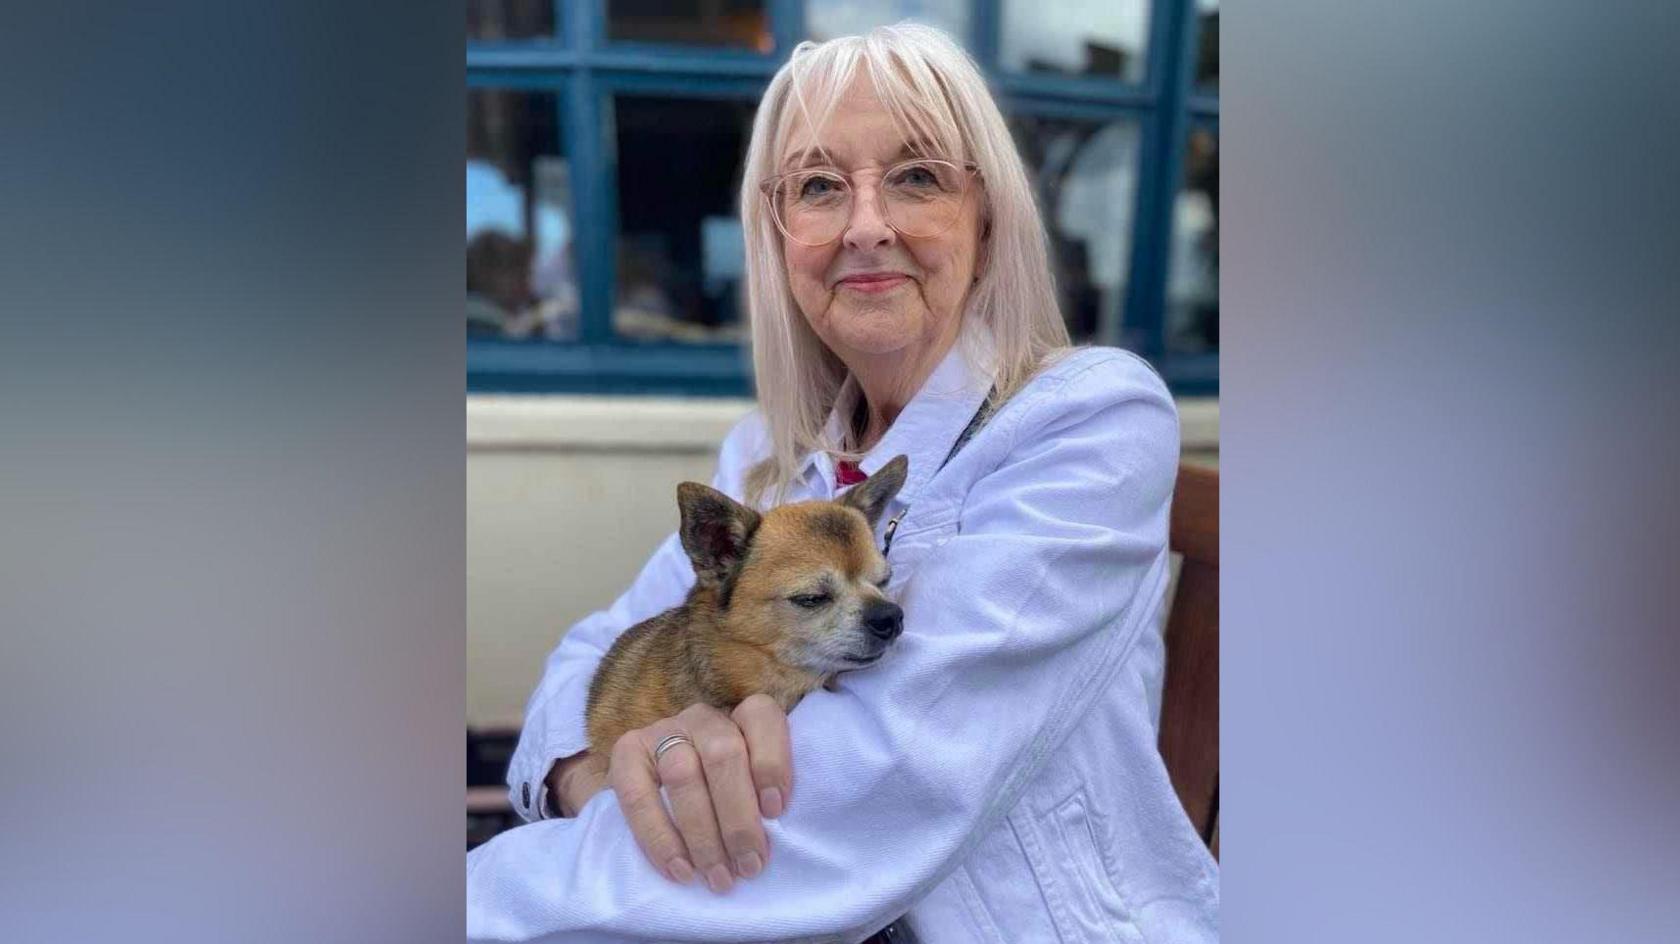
(605, 334)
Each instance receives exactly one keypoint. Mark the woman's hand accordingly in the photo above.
(735, 769)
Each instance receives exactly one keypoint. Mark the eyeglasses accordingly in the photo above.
(920, 199)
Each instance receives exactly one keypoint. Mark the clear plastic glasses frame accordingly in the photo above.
(917, 205)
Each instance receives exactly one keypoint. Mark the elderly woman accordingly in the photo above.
(996, 779)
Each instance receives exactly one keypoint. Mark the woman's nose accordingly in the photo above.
(867, 228)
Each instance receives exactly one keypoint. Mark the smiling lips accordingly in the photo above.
(873, 282)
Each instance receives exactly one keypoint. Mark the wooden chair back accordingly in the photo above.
(1190, 695)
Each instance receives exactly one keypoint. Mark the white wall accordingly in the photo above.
(567, 496)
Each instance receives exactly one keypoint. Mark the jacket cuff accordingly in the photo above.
(553, 731)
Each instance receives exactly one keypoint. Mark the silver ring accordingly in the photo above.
(667, 742)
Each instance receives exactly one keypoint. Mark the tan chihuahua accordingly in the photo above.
(781, 603)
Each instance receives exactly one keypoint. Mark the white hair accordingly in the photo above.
(935, 94)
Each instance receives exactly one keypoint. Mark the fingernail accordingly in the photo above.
(681, 872)
(770, 802)
(718, 880)
(748, 864)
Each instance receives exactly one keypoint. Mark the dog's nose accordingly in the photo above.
(885, 620)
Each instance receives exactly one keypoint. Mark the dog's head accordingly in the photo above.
(802, 581)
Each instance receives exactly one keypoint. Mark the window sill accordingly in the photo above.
(589, 423)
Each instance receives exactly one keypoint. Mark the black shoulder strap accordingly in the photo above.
(980, 417)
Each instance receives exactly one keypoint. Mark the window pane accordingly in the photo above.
(696, 22)
(521, 280)
(1193, 279)
(681, 254)
(490, 20)
(826, 19)
(1077, 37)
(1207, 45)
(1084, 175)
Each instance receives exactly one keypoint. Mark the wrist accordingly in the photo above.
(563, 785)
(554, 795)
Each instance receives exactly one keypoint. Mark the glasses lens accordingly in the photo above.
(924, 197)
(812, 208)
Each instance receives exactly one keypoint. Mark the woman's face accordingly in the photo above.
(872, 291)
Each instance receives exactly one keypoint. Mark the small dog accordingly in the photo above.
(781, 603)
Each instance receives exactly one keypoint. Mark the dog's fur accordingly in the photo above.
(781, 603)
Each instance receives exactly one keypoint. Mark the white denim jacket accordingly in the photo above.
(996, 777)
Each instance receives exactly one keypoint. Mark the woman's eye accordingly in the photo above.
(917, 177)
(810, 601)
(819, 187)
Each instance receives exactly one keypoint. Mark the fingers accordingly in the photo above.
(734, 798)
(681, 772)
(764, 726)
(732, 770)
(635, 780)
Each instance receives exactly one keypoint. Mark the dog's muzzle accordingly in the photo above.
(884, 620)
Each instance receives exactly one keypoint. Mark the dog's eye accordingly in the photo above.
(886, 578)
(809, 601)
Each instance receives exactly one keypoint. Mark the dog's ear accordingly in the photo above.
(872, 494)
(715, 531)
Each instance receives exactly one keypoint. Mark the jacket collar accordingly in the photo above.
(929, 424)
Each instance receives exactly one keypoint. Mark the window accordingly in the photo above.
(604, 149)
(521, 280)
(1207, 45)
(509, 19)
(1084, 174)
(681, 256)
(1105, 38)
(826, 19)
(724, 23)
(1193, 275)
(1190, 332)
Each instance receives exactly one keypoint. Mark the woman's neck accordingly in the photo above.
(886, 382)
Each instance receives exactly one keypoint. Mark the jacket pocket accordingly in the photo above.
(1078, 886)
(910, 547)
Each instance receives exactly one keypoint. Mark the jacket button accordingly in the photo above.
(525, 794)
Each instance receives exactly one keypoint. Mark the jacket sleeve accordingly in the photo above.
(1013, 625)
(554, 727)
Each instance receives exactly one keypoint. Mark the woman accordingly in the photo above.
(996, 779)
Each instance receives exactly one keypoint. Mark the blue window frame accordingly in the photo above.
(584, 73)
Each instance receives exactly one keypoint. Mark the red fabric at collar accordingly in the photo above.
(847, 473)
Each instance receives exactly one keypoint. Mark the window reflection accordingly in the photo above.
(1193, 276)
(1104, 38)
(826, 19)
(491, 20)
(521, 282)
(1084, 175)
(691, 22)
(681, 252)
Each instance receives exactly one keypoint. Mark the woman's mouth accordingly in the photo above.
(874, 283)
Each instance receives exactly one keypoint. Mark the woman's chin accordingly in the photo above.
(876, 331)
